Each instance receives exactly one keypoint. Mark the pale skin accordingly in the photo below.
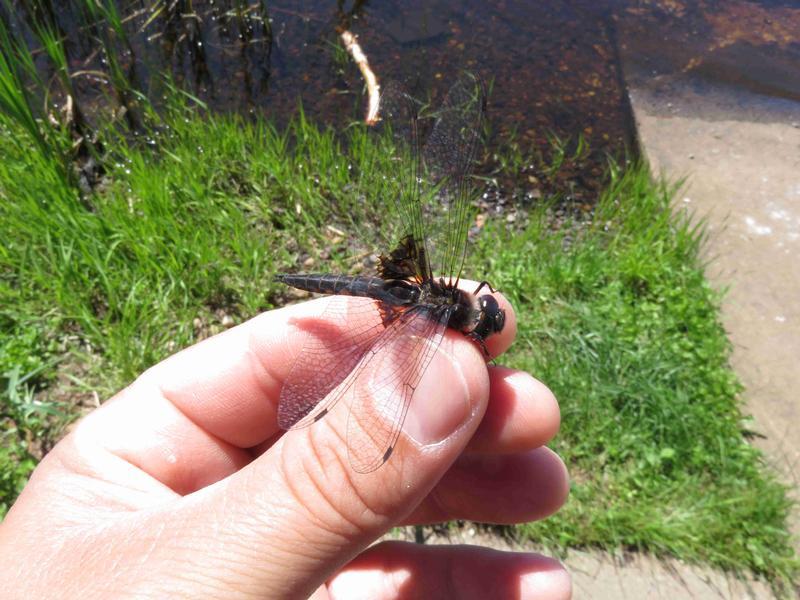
(182, 485)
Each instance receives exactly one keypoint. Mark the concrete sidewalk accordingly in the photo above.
(599, 577)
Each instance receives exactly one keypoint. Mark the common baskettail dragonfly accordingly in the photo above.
(391, 324)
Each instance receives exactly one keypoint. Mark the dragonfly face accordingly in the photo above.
(392, 325)
(492, 318)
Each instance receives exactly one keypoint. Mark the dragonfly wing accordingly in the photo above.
(329, 360)
(398, 112)
(431, 189)
(448, 160)
(385, 385)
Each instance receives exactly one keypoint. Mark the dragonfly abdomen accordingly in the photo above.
(326, 283)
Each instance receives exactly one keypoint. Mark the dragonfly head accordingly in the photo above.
(492, 318)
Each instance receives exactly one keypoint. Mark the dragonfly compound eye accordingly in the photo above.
(499, 321)
(493, 316)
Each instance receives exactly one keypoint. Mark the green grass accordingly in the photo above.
(195, 227)
(616, 317)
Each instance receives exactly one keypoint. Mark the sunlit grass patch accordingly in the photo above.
(184, 233)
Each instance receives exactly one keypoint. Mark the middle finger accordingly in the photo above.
(502, 489)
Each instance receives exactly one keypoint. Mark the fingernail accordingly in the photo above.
(440, 404)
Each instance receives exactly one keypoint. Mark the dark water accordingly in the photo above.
(556, 67)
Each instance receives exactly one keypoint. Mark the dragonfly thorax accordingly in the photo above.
(476, 316)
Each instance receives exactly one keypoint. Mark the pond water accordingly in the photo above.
(556, 67)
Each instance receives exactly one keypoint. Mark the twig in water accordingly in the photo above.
(373, 89)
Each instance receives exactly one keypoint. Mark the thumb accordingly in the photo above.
(300, 511)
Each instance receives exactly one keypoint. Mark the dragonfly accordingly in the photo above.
(382, 337)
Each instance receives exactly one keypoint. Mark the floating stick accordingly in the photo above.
(373, 89)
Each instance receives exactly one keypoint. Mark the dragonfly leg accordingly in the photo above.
(480, 341)
(482, 285)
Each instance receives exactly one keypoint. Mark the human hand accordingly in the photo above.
(182, 485)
